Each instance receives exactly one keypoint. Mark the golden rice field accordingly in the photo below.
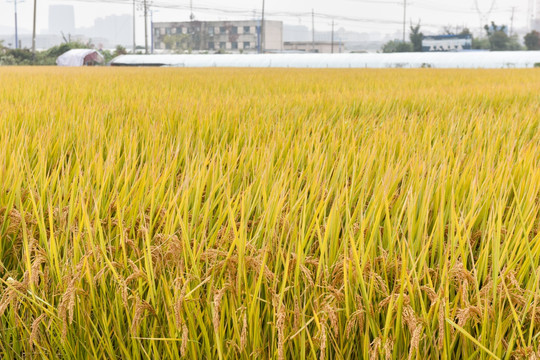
(269, 214)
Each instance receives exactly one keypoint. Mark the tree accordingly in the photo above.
(394, 46)
(465, 31)
(178, 42)
(58, 50)
(498, 38)
(416, 38)
(448, 30)
(481, 43)
(120, 50)
(513, 43)
(532, 40)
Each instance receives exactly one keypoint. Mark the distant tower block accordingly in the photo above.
(535, 16)
(61, 19)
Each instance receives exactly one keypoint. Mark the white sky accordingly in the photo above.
(383, 16)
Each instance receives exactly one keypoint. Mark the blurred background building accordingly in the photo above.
(217, 36)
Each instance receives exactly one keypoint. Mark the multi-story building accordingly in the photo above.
(217, 36)
(535, 21)
(61, 19)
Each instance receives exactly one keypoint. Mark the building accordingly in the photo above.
(61, 19)
(217, 36)
(447, 43)
(314, 47)
(116, 29)
(535, 21)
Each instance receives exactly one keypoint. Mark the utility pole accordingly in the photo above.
(16, 27)
(512, 21)
(312, 30)
(262, 29)
(404, 17)
(192, 15)
(152, 29)
(332, 36)
(134, 27)
(34, 30)
(145, 26)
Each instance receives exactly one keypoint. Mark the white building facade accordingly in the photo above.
(217, 36)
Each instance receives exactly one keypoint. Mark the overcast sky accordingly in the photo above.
(383, 16)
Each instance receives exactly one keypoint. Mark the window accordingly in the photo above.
(168, 31)
(222, 45)
(234, 45)
(211, 31)
(247, 44)
(247, 29)
(222, 29)
(211, 45)
(234, 30)
(179, 30)
(156, 31)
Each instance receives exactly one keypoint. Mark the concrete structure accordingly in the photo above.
(317, 47)
(117, 29)
(217, 36)
(61, 19)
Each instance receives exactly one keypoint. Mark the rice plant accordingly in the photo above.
(272, 214)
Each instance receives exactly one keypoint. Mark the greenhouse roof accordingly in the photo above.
(467, 59)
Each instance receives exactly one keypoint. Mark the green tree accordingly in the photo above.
(532, 40)
(120, 50)
(395, 46)
(465, 31)
(48, 57)
(481, 43)
(416, 38)
(513, 43)
(177, 42)
(462, 31)
(498, 38)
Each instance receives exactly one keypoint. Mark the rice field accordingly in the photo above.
(269, 214)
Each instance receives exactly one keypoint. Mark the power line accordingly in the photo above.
(359, 22)
(248, 13)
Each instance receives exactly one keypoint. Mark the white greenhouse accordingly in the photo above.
(80, 57)
(470, 59)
